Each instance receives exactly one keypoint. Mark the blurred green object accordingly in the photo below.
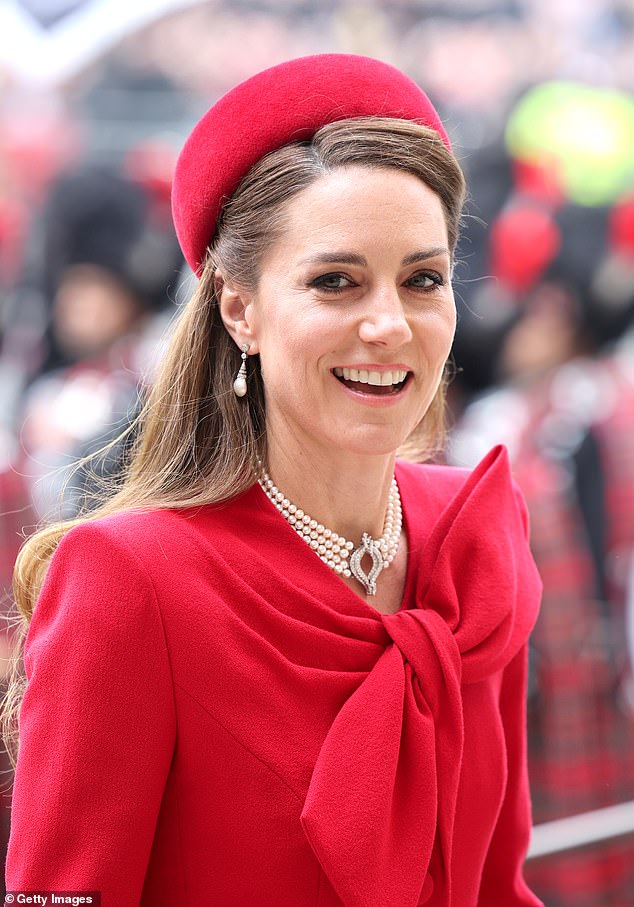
(585, 134)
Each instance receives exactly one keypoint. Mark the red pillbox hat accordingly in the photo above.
(286, 103)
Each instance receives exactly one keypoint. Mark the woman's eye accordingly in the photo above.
(426, 280)
(332, 282)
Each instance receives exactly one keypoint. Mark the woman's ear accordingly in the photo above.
(233, 304)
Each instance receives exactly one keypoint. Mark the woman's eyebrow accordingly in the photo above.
(342, 258)
(424, 254)
(353, 258)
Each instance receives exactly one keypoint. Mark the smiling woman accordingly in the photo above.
(282, 664)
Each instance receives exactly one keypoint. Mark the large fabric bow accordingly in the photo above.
(385, 783)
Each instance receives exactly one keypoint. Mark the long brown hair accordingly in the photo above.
(194, 441)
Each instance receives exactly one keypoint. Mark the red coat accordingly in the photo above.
(213, 717)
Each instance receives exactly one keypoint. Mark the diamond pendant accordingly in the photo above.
(370, 547)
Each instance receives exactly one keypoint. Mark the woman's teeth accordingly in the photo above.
(378, 379)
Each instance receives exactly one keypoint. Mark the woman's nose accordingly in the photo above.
(384, 322)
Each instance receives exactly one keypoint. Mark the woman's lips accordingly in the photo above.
(374, 393)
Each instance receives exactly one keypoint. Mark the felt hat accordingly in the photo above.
(286, 103)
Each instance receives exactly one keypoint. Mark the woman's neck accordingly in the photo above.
(345, 491)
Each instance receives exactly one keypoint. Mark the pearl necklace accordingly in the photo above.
(333, 549)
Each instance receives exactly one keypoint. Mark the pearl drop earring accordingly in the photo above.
(240, 384)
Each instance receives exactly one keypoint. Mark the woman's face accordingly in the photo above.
(354, 313)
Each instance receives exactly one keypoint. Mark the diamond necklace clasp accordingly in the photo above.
(371, 548)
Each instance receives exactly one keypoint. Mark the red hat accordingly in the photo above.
(283, 104)
(621, 226)
(524, 241)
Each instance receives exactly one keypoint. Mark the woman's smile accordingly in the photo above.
(374, 385)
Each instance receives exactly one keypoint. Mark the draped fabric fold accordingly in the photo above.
(384, 787)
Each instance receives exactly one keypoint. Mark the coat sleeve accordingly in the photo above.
(97, 726)
(503, 879)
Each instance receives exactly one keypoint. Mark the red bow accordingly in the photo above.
(385, 783)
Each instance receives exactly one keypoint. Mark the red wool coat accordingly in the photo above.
(213, 717)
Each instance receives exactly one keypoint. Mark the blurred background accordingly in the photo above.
(96, 99)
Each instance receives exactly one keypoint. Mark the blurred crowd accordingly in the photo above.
(558, 389)
(539, 98)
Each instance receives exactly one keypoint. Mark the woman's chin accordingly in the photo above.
(366, 440)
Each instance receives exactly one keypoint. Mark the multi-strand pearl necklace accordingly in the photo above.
(333, 549)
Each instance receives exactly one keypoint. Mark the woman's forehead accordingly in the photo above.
(356, 206)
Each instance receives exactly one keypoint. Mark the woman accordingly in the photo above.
(281, 667)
